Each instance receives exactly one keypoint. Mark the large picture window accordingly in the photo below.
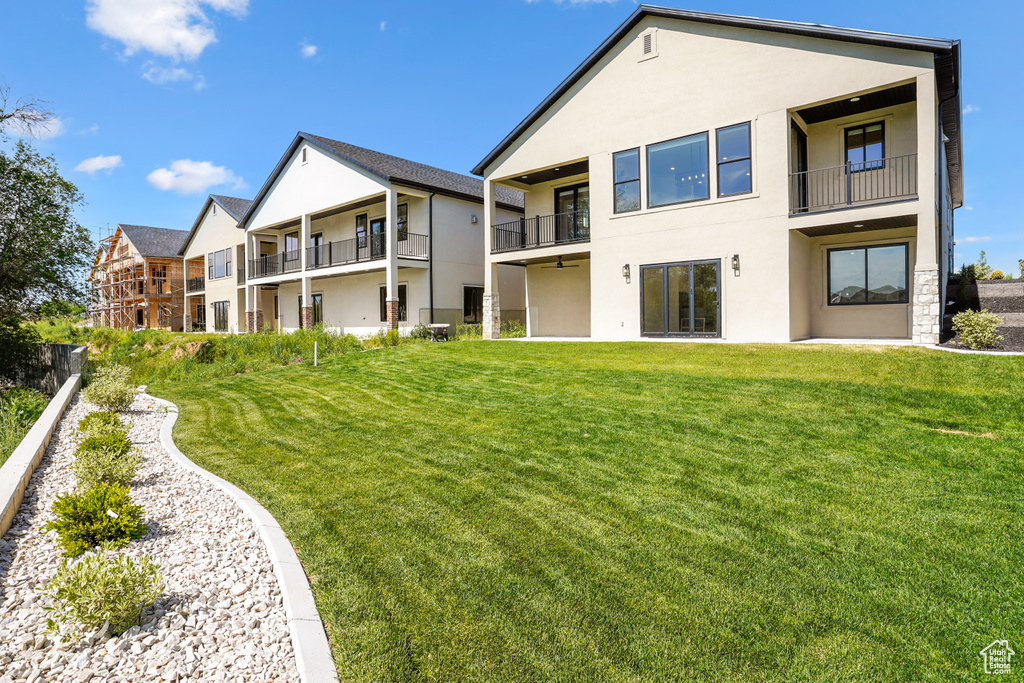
(627, 180)
(865, 147)
(868, 275)
(732, 148)
(677, 171)
(402, 310)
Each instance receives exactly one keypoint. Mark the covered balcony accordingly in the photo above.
(858, 150)
(541, 231)
(195, 280)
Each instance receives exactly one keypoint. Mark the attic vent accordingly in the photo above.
(649, 44)
(214, 209)
(303, 155)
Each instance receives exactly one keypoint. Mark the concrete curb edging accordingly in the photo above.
(977, 352)
(16, 472)
(309, 639)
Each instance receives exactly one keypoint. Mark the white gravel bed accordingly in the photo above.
(220, 617)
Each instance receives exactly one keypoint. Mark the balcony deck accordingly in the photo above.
(853, 185)
(541, 231)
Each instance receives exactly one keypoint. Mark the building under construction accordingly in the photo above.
(138, 279)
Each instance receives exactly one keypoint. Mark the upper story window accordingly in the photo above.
(677, 171)
(403, 222)
(732, 146)
(361, 230)
(291, 246)
(626, 171)
(865, 146)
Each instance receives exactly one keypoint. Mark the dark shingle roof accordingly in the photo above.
(235, 207)
(158, 242)
(396, 169)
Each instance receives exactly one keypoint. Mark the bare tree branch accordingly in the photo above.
(27, 114)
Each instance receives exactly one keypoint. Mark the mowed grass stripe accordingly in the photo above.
(623, 512)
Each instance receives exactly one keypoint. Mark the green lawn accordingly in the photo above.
(633, 512)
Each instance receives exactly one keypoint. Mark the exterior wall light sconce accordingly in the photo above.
(625, 272)
(473, 219)
(736, 265)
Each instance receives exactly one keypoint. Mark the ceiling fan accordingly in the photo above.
(559, 265)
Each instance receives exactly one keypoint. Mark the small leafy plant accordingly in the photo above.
(977, 329)
(111, 388)
(513, 329)
(103, 513)
(101, 422)
(385, 338)
(421, 331)
(114, 441)
(101, 589)
(103, 463)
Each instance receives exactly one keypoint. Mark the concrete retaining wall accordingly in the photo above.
(18, 469)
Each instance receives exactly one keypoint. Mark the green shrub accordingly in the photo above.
(19, 410)
(421, 331)
(513, 329)
(385, 338)
(467, 332)
(101, 589)
(977, 329)
(104, 463)
(101, 422)
(104, 513)
(1020, 265)
(995, 275)
(111, 388)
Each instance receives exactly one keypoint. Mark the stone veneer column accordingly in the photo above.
(492, 316)
(254, 321)
(187, 323)
(307, 317)
(927, 308)
(392, 313)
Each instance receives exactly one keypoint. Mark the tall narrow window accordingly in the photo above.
(472, 305)
(734, 167)
(627, 180)
(868, 275)
(865, 147)
(361, 230)
(291, 246)
(318, 308)
(227, 262)
(677, 171)
(218, 263)
(402, 312)
(220, 316)
(209, 263)
(403, 222)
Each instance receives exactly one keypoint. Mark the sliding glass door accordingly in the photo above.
(681, 299)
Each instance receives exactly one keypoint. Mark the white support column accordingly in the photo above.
(492, 305)
(304, 233)
(248, 258)
(391, 251)
(926, 306)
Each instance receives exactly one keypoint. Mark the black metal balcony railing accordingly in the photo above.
(275, 264)
(342, 252)
(195, 284)
(541, 231)
(855, 184)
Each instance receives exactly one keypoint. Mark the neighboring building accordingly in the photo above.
(718, 176)
(214, 254)
(137, 279)
(319, 238)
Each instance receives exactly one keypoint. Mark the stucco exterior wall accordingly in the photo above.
(558, 301)
(217, 231)
(704, 78)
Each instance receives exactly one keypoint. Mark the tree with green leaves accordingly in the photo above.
(44, 251)
(982, 269)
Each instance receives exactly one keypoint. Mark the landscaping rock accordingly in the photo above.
(219, 579)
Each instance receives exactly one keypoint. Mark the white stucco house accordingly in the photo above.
(214, 254)
(358, 240)
(708, 175)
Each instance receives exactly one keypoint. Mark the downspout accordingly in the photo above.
(430, 253)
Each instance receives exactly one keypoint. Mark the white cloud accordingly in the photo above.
(94, 129)
(161, 75)
(970, 109)
(178, 29)
(969, 240)
(192, 177)
(307, 50)
(99, 163)
(52, 128)
(383, 25)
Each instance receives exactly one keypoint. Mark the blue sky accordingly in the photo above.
(163, 101)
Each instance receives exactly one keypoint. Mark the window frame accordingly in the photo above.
(873, 165)
(707, 165)
(218, 263)
(466, 289)
(227, 262)
(403, 222)
(361, 230)
(867, 248)
(220, 314)
(665, 301)
(637, 180)
(749, 158)
(384, 303)
(316, 301)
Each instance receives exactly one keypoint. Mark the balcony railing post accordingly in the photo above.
(849, 182)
